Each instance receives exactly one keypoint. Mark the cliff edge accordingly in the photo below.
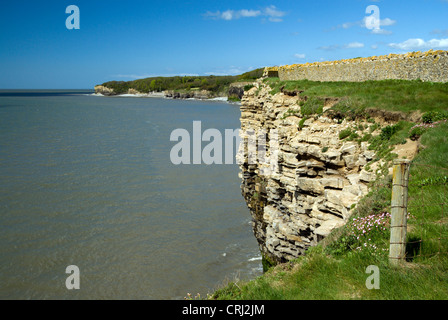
(320, 176)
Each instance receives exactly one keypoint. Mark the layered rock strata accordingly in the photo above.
(236, 90)
(318, 180)
(105, 91)
(193, 94)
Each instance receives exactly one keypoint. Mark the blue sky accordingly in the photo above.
(126, 40)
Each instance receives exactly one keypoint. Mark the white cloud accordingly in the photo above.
(271, 12)
(227, 15)
(420, 44)
(232, 70)
(231, 14)
(351, 45)
(249, 13)
(347, 25)
(363, 24)
(354, 45)
(382, 23)
(274, 14)
(380, 31)
(300, 55)
(387, 22)
(330, 48)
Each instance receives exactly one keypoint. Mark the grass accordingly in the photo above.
(392, 95)
(313, 105)
(429, 185)
(336, 268)
(320, 277)
(390, 136)
(233, 99)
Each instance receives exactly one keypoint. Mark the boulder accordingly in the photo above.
(328, 226)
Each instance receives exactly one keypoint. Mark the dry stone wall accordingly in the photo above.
(426, 66)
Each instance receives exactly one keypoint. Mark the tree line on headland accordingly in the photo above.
(214, 84)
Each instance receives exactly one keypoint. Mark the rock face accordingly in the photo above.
(193, 94)
(318, 177)
(236, 90)
(133, 91)
(105, 91)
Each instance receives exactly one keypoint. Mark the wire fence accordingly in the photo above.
(419, 223)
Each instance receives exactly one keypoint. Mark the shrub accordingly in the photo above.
(248, 87)
(373, 127)
(353, 136)
(366, 137)
(344, 134)
(302, 123)
(434, 116)
(418, 130)
(388, 132)
(363, 234)
(289, 113)
(233, 99)
(416, 133)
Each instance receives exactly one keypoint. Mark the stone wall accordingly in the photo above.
(319, 179)
(427, 66)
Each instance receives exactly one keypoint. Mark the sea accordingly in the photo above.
(87, 181)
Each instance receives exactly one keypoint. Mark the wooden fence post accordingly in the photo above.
(398, 225)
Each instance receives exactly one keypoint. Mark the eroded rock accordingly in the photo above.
(319, 178)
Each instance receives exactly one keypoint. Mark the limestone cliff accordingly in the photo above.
(193, 94)
(236, 89)
(319, 180)
(105, 91)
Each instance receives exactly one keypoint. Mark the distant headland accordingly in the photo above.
(229, 88)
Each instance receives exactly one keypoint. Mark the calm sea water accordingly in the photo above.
(88, 181)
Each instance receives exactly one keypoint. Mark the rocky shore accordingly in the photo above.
(234, 94)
